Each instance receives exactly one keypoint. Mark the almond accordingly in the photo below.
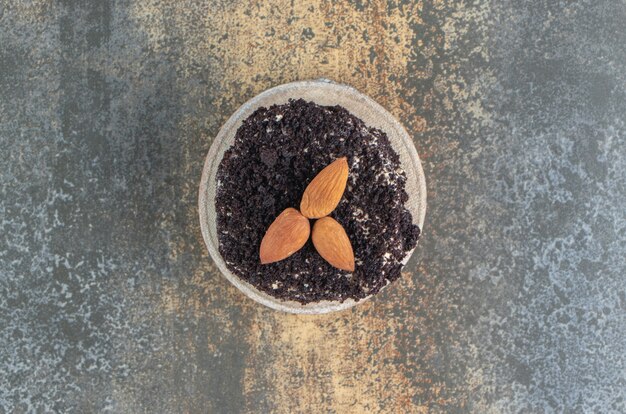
(285, 236)
(325, 190)
(333, 244)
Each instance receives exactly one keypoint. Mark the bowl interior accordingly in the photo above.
(322, 92)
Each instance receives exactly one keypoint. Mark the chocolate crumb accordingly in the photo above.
(276, 153)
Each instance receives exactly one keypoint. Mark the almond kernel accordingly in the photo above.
(332, 243)
(285, 236)
(324, 192)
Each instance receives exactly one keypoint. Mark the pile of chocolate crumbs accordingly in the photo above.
(277, 152)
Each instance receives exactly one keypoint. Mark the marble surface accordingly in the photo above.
(515, 300)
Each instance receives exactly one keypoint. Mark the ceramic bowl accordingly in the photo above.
(322, 92)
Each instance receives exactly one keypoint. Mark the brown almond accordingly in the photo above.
(325, 190)
(332, 243)
(285, 236)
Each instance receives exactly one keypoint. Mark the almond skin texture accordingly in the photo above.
(285, 236)
(325, 190)
(333, 244)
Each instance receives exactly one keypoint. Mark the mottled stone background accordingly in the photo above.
(514, 302)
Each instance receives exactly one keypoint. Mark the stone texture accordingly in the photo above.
(514, 302)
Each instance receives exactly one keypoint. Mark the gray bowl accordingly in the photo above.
(322, 92)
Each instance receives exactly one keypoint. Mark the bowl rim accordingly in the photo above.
(211, 164)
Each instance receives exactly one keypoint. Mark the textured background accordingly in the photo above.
(514, 302)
